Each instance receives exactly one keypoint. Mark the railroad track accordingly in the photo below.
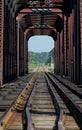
(43, 104)
(34, 105)
(40, 107)
(73, 102)
(9, 95)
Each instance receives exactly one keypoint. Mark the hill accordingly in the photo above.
(40, 58)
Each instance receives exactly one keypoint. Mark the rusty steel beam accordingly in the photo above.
(1, 39)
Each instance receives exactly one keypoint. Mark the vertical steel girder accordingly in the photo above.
(70, 57)
(1, 39)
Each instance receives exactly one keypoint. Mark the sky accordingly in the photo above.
(40, 43)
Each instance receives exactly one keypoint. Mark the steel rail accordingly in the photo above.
(70, 88)
(60, 124)
(5, 117)
(28, 106)
(74, 108)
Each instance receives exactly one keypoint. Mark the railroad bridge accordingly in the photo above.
(21, 19)
(41, 100)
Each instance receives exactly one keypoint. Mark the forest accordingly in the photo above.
(41, 58)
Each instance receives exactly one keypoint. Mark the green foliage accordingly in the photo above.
(37, 58)
(50, 58)
(40, 58)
